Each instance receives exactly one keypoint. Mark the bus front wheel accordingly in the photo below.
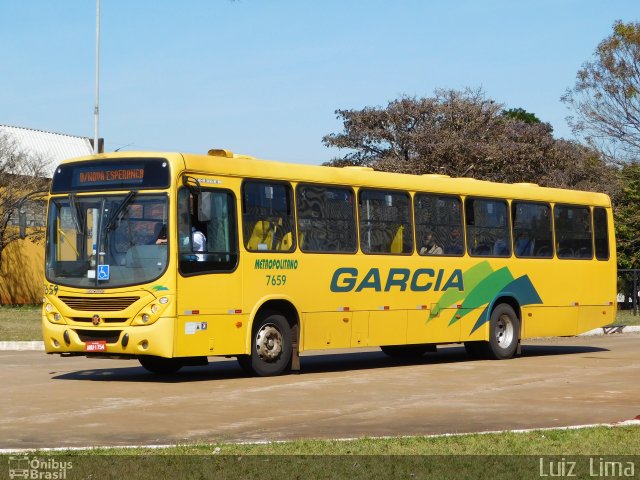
(160, 365)
(271, 346)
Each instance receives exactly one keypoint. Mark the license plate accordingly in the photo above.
(96, 346)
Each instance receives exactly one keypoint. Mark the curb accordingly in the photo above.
(611, 330)
(24, 346)
(19, 346)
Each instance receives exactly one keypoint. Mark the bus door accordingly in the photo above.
(210, 317)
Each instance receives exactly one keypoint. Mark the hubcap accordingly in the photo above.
(269, 343)
(504, 331)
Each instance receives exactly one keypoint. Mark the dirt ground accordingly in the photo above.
(48, 401)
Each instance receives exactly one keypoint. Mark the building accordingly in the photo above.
(21, 271)
(52, 147)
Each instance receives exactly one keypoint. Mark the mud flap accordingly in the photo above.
(295, 352)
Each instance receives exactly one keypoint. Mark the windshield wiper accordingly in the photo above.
(115, 216)
(76, 213)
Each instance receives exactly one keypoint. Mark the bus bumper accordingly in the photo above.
(155, 339)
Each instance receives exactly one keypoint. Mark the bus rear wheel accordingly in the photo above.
(271, 346)
(504, 331)
(160, 365)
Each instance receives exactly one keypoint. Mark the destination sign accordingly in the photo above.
(111, 174)
(130, 175)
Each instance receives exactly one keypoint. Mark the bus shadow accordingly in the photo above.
(320, 363)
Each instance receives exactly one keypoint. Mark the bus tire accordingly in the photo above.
(160, 365)
(477, 349)
(504, 332)
(271, 345)
(406, 351)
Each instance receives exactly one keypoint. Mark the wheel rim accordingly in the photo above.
(504, 331)
(269, 343)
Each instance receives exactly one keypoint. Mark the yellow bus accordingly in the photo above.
(172, 258)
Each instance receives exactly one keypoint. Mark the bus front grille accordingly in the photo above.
(105, 320)
(111, 336)
(98, 304)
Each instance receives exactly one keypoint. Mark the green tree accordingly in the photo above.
(627, 217)
(606, 96)
(521, 114)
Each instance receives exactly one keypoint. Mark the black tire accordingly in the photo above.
(245, 363)
(406, 351)
(271, 346)
(477, 349)
(504, 332)
(504, 335)
(160, 365)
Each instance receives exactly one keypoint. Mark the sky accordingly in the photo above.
(264, 77)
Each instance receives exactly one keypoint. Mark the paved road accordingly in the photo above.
(48, 401)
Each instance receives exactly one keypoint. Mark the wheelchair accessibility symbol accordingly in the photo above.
(103, 272)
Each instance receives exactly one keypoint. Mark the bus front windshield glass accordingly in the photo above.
(106, 241)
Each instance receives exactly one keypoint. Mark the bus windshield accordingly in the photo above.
(106, 241)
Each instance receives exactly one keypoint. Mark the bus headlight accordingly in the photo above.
(145, 317)
(48, 308)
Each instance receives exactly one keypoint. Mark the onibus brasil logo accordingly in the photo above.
(38, 468)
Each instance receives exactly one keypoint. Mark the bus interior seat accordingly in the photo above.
(397, 242)
(262, 234)
(565, 252)
(286, 242)
(482, 249)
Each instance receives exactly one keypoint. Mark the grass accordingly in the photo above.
(22, 323)
(477, 456)
(621, 440)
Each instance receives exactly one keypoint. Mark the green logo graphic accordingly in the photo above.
(482, 286)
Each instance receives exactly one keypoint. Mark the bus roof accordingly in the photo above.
(224, 162)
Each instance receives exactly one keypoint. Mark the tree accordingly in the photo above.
(521, 114)
(463, 133)
(606, 96)
(20, 173)
(627, 218)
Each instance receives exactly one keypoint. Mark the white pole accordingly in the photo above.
(96, 110)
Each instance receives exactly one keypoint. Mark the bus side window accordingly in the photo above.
(573, 232)
(385, 221)
(532, 233)
(601, 233)
(267, 216)
(488, 231)
(441, 217)
(326, 219)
